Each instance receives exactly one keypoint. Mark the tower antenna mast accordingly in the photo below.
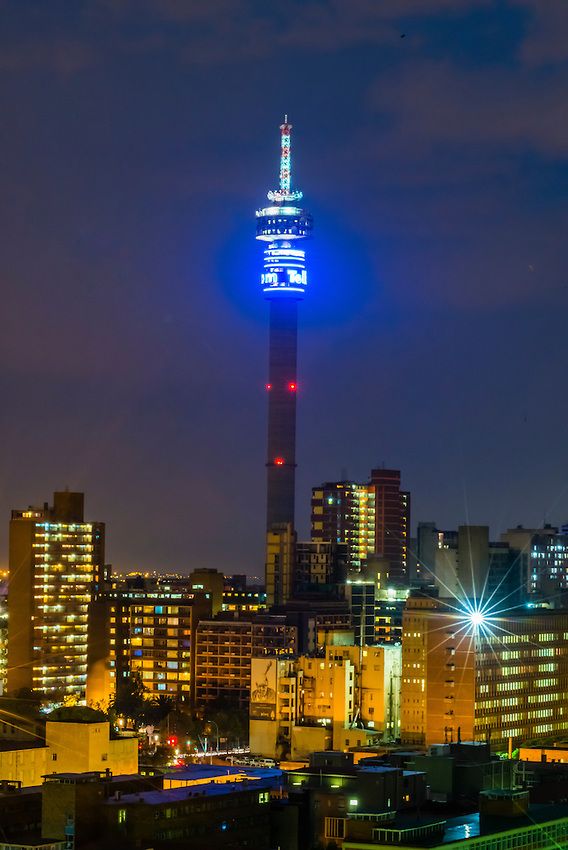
(285, 194)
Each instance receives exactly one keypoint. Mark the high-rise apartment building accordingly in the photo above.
(500, 680)
(152, 635)
(344, 512)
(371, 519)
(224, 648)
(56, 562)
(392, 523)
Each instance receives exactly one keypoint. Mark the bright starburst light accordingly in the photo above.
(477, 618)
(480, 616)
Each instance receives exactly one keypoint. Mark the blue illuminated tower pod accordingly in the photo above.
(283, 227)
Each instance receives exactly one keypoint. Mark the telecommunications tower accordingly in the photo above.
(282, 227)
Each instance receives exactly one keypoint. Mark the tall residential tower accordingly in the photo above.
(56, 571)
(371, 518)
(282, 227)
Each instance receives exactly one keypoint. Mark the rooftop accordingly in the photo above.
(470, 825)
(91, 776)
(28, 744)
(178, 795)
(7, 791)
(347, 771)
(192, 773)
(425, 830)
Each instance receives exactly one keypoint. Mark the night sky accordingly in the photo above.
(138, 137)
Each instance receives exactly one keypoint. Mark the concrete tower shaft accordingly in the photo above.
(281, 387)
(282, 227)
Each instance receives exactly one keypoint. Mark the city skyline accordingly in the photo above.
(276, 571)
(432, 339)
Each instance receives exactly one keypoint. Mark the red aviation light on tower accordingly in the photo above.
(282, 225)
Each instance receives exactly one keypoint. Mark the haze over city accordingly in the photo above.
(430, 140)
(284, 559)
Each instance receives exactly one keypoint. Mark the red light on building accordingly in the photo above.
(279, 461)
(292, 386)
(268, 387)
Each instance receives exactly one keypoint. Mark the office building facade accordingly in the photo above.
(543, 557)
(505, 680)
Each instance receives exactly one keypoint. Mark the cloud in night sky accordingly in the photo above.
(140, 135)
(445, 105)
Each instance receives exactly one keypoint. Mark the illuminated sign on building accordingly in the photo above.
(263, 689)
(284, 269)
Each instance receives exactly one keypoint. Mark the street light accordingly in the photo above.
(217, 729)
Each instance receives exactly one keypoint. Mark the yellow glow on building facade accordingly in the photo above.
(280, 564)
(70, 748)
(3, 643)
(371, 518)
(249, 601)
(224, 648)
(342, 699)
(509, 682)
(153, 635)
(56, 570)
(344, 512)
